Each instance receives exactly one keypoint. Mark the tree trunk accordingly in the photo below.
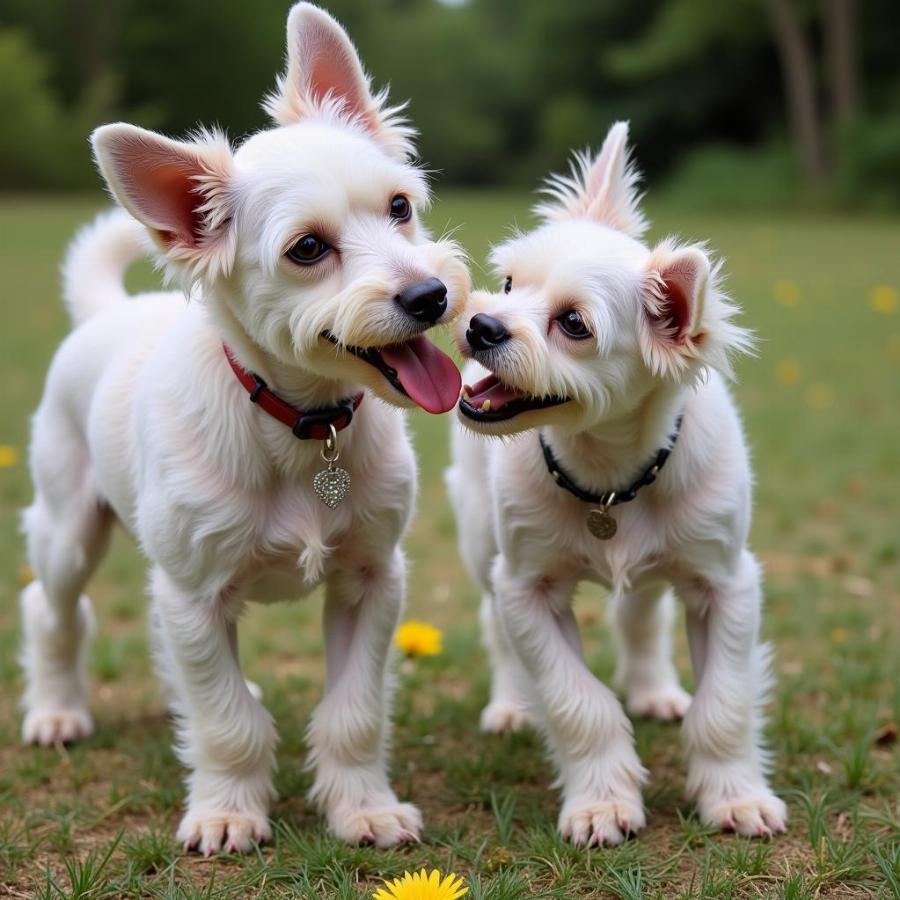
(840, 34)
(799, 84)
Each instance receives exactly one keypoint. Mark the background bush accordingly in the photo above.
(501, 90)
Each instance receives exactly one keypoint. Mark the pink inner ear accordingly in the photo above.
(158, 180)
(679, 278)
(331, 68)
(675, 315)
(167, 196)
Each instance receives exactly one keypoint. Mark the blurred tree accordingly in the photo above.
(841, 37)
(685, 30)
(799, 87)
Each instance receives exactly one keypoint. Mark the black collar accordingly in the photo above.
(609, 498)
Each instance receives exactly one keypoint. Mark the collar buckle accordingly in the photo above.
(320, 424)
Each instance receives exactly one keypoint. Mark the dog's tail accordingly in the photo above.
(93, 274)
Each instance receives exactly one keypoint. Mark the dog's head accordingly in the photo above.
(589, 319)
(307, 238)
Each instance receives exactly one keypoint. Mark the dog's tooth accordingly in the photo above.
(486, 406)
(466, 391)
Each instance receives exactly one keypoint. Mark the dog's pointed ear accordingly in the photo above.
(674, 296)
(323, 66)
(321, 61)
(179, 190)
(602, 188)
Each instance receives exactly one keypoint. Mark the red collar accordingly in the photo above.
(313, 425)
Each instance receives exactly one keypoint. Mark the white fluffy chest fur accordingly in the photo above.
(697, 511)
(198, 472)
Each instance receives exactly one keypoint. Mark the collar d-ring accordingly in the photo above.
(330, 451)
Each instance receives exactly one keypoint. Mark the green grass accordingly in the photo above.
(97, 820)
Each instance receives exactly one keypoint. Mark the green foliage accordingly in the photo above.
(41, 142)
(730, 178)
(500, 90)
(683, 32)
(868, 157)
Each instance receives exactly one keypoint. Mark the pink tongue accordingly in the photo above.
(492, 389)
(427, 374)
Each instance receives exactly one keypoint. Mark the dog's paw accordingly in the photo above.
(754, 813)
(209, 831)
(602, 824)
(668, 703)
(501, 716)
(384, 826)
(56, 726)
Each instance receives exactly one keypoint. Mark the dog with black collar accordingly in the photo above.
(606, 359)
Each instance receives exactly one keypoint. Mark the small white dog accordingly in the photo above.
(311, 278)
(631, 472)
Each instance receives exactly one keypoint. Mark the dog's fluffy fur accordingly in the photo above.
(661, 332)
(143, 422)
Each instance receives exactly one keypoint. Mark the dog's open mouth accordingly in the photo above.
(490, 400)
(417, 368)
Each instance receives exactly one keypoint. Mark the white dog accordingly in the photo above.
(608, 355)
(311, 278)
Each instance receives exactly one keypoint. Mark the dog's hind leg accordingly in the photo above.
(67, 529)
(509, 708)
(642, 622)
(348, 734)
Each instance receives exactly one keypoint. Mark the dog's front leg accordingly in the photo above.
(349, 730)
(722, 729)
(587, 729)
(225, 736)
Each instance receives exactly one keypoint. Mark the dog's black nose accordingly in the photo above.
(485, 332)
(425, 301)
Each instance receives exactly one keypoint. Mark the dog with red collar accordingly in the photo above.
(228, 431)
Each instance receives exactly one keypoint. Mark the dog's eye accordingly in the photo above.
(401, 208)
(308, 250)
(572, 325)
(507, 284)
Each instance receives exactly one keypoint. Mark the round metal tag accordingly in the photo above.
(601, 524)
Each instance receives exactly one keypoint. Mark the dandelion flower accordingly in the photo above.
(419, 639)
(786, 293)
(9, 456)
(787, 372)
(884, 299)
(422, 886)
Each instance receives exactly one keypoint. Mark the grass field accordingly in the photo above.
(822, 408)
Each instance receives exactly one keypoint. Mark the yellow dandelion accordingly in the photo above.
(9, 456)
(26, 576)
(422, 886)
(819, 396)
(787, 372)
(786, 292)
(839, 635)
(419, 639)
(884, 299)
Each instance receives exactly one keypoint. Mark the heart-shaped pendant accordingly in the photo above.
(331, 485)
